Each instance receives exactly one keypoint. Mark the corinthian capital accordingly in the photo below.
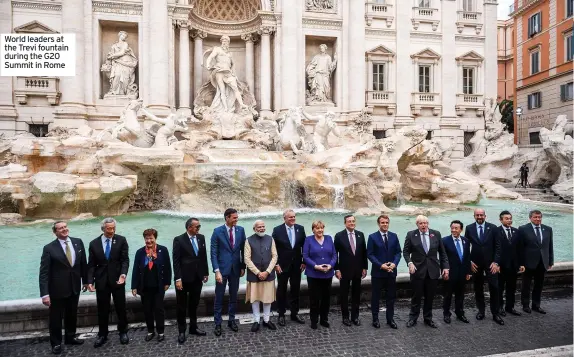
(266, 30)
(249, 37)
(199, 34)
(181, 23)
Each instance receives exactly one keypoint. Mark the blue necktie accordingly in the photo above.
(538, 234)
(195, 249)
(459, 249)
(481, 233)
(290, 236)
(107, 253)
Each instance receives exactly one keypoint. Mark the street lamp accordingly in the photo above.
(519, 124)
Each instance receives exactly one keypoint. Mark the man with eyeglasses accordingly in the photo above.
(190, 272)
(64, 257)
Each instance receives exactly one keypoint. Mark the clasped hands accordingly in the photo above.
(323, 268)
(388, 266)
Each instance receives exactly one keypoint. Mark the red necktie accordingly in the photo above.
(231, 237)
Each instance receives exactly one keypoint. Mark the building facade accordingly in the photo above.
(544, 67)
(408, 61)
(505, 60)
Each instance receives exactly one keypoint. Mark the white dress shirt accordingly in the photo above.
(63, 244)
(104, 238)
(478, 229)
(352, 238)
(425, 236)
(456, 241)
(540, 229)
(292, 228)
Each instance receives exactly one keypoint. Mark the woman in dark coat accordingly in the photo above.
(151, 277)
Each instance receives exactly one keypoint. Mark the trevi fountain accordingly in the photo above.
(153, 169)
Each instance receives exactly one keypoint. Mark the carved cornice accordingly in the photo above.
(37, 5)
(323, 24)
(224, 28)
(525, 7)
(179, 11)
(380, 32)
(426, 36)
(478, 39)
(116, 7)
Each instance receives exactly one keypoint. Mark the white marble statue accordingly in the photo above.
(128, 129)
(223, 78)
(319, 73)
(292, 131)
(121, 64)
(320, 5)
(165, 136)
(325, 125)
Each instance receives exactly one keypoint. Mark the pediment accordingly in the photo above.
(470, 56)
(34, 27)
(381, 51)
(426, 54)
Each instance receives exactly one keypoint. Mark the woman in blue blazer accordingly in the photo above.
(151, 277)
(320, 256)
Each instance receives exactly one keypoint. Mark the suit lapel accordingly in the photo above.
(59, 251)
(419, 240)
(533, 232)
(76, 250)
(187, 243)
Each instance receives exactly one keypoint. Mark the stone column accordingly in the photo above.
(292, 53)
(404, 66)
(450, 72)
(158, 45)
(249, 60)
(265, 73)
(184, 67)
(72, 111)
(8, 112)
(491, 50)
(356, 56)
(198, 37)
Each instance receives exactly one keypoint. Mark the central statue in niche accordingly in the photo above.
(319, 73)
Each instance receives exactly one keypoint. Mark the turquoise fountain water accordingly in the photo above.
(22, 245)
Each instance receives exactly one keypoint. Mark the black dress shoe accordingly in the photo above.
(181, 338)
(514, 312)
(160, 337)
(269, 325)
(447, 319)
(526, 309)
(233, 326)
(57, 349)
(197, 332)
(149, 336)
(346, 322)
(100, 341)
(325, 324)
(297, 319)
(255, 327)
(392, 324)
(430, 323)
(462, 319)
(480, 316)
(376, 324)
(498, 319)
(502, 313)
(539, 310)
(356, 322)
(217, 330)
(74, 341)
(314, 325)
(411, 323)
(124, 339)
(281, 321)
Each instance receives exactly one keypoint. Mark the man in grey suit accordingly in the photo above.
(537, 258)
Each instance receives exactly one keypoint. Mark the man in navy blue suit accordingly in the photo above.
(484, 260)
(384, 252)
(227, 244)
(458, 251)
(510, 251)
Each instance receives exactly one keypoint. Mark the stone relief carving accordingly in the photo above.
(320, 5)
(120, 66)
(319, 73)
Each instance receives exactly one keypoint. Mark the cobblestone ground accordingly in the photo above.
(479, 338)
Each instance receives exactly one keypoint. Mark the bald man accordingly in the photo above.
(484, 260)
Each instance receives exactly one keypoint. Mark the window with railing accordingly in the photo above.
(424, 3)
(468, 5)
(468, 80)
(379, 74)
(424, 78)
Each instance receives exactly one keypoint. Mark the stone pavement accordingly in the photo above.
(561, 351)
(479, 338)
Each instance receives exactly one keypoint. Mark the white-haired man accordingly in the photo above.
(289, 239)
(425, 255)
(260, 259)
(108, 266)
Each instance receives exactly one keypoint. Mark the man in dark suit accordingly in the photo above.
(227, 243)
(425, 255)
(190, 273)
(63, 268)
(458, 252)
(108, 266)
(511, 248)
(537, 257)
(351, 268)
(384, 252)
(289, 239)
(484, 259)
